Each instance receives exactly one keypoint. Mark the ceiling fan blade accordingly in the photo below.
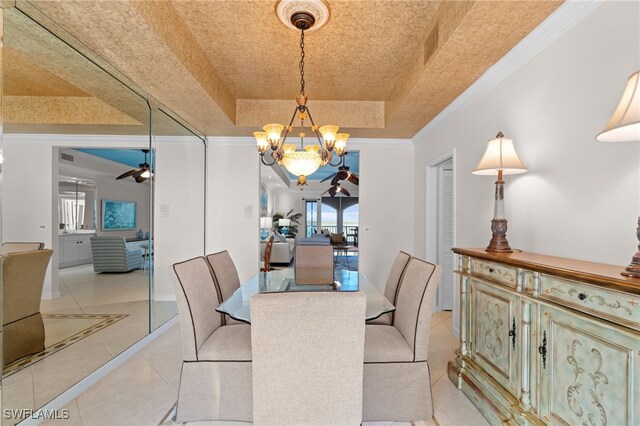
(354, 179)
(341, 175)
(345, 192)
(328, 177)
(332, 191)
(140, 179)
(138, 173)
(127, 174)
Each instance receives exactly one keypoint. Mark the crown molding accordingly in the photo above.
(563, 19)
(68, 140)
(360, 143)
(231, 140)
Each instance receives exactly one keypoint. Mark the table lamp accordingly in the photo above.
(265, 223)
(624, 126)
(499, 159)
(285, 223)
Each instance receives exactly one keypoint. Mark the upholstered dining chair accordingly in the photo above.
(16, 247)
(391, 287)
(225, 278)
(307, 358)
(266, 260)
(215, 381)
(23, 279)
(397, 386)
(314, 264)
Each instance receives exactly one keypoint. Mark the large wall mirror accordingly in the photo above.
(108, 191)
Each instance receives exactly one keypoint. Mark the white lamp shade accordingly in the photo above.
(500, 155)
(624, 125)
(302, 163)
(266, 222)
(284, 222)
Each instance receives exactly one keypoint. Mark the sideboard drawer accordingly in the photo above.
(622, 308)
(497, 272)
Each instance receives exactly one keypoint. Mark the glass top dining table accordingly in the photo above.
(237, 306)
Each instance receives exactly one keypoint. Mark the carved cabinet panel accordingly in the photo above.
(495, 321)
(590, 372)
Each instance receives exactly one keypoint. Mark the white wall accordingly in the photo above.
(386, 204)
(580, 197)
(233, 185)
(179, 208)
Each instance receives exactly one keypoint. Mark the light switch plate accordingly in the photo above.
(165, 210)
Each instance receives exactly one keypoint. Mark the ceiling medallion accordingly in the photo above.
(306, 160)
(295, 14)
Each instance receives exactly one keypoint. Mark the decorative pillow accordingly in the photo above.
(337, 238)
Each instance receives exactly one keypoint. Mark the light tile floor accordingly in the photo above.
(83, 291)
(143, 389)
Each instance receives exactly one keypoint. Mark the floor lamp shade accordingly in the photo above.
(624, 125)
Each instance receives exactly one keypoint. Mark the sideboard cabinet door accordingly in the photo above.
(494, 320)
(589, 371)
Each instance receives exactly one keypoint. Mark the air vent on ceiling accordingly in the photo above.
(431, 43)
(66, 157)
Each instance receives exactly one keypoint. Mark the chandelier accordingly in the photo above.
(304, 160)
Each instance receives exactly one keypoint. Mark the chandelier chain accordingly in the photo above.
(301, 65)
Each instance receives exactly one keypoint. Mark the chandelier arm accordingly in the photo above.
(286, 133)
(265, 163)
(314, 128)
(339, 163)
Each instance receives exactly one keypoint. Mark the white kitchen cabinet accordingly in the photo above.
(74, 250)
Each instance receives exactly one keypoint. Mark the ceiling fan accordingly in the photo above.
(140, 174)
(335, 189)
(343, 173)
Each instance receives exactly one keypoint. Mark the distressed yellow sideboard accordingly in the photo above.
(547, 340)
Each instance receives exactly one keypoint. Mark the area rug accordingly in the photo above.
(93, 324)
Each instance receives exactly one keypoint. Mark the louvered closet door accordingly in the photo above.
(445, 239)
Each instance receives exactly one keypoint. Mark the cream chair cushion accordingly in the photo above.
(385, 344)
(314, 264)
(227, 344)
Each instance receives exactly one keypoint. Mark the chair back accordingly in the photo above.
(395, 275)
(23, 278)
(16, 247)
(414, 305)
(307, 357)
(225, 274)
(197, 299)
(314, 264)
(267, 255)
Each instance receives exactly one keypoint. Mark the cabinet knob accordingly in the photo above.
(491, 269)
(582, 296)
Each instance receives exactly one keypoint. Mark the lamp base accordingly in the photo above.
(633, 270)
(499, 243)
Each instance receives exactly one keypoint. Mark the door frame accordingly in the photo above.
(431, 204)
